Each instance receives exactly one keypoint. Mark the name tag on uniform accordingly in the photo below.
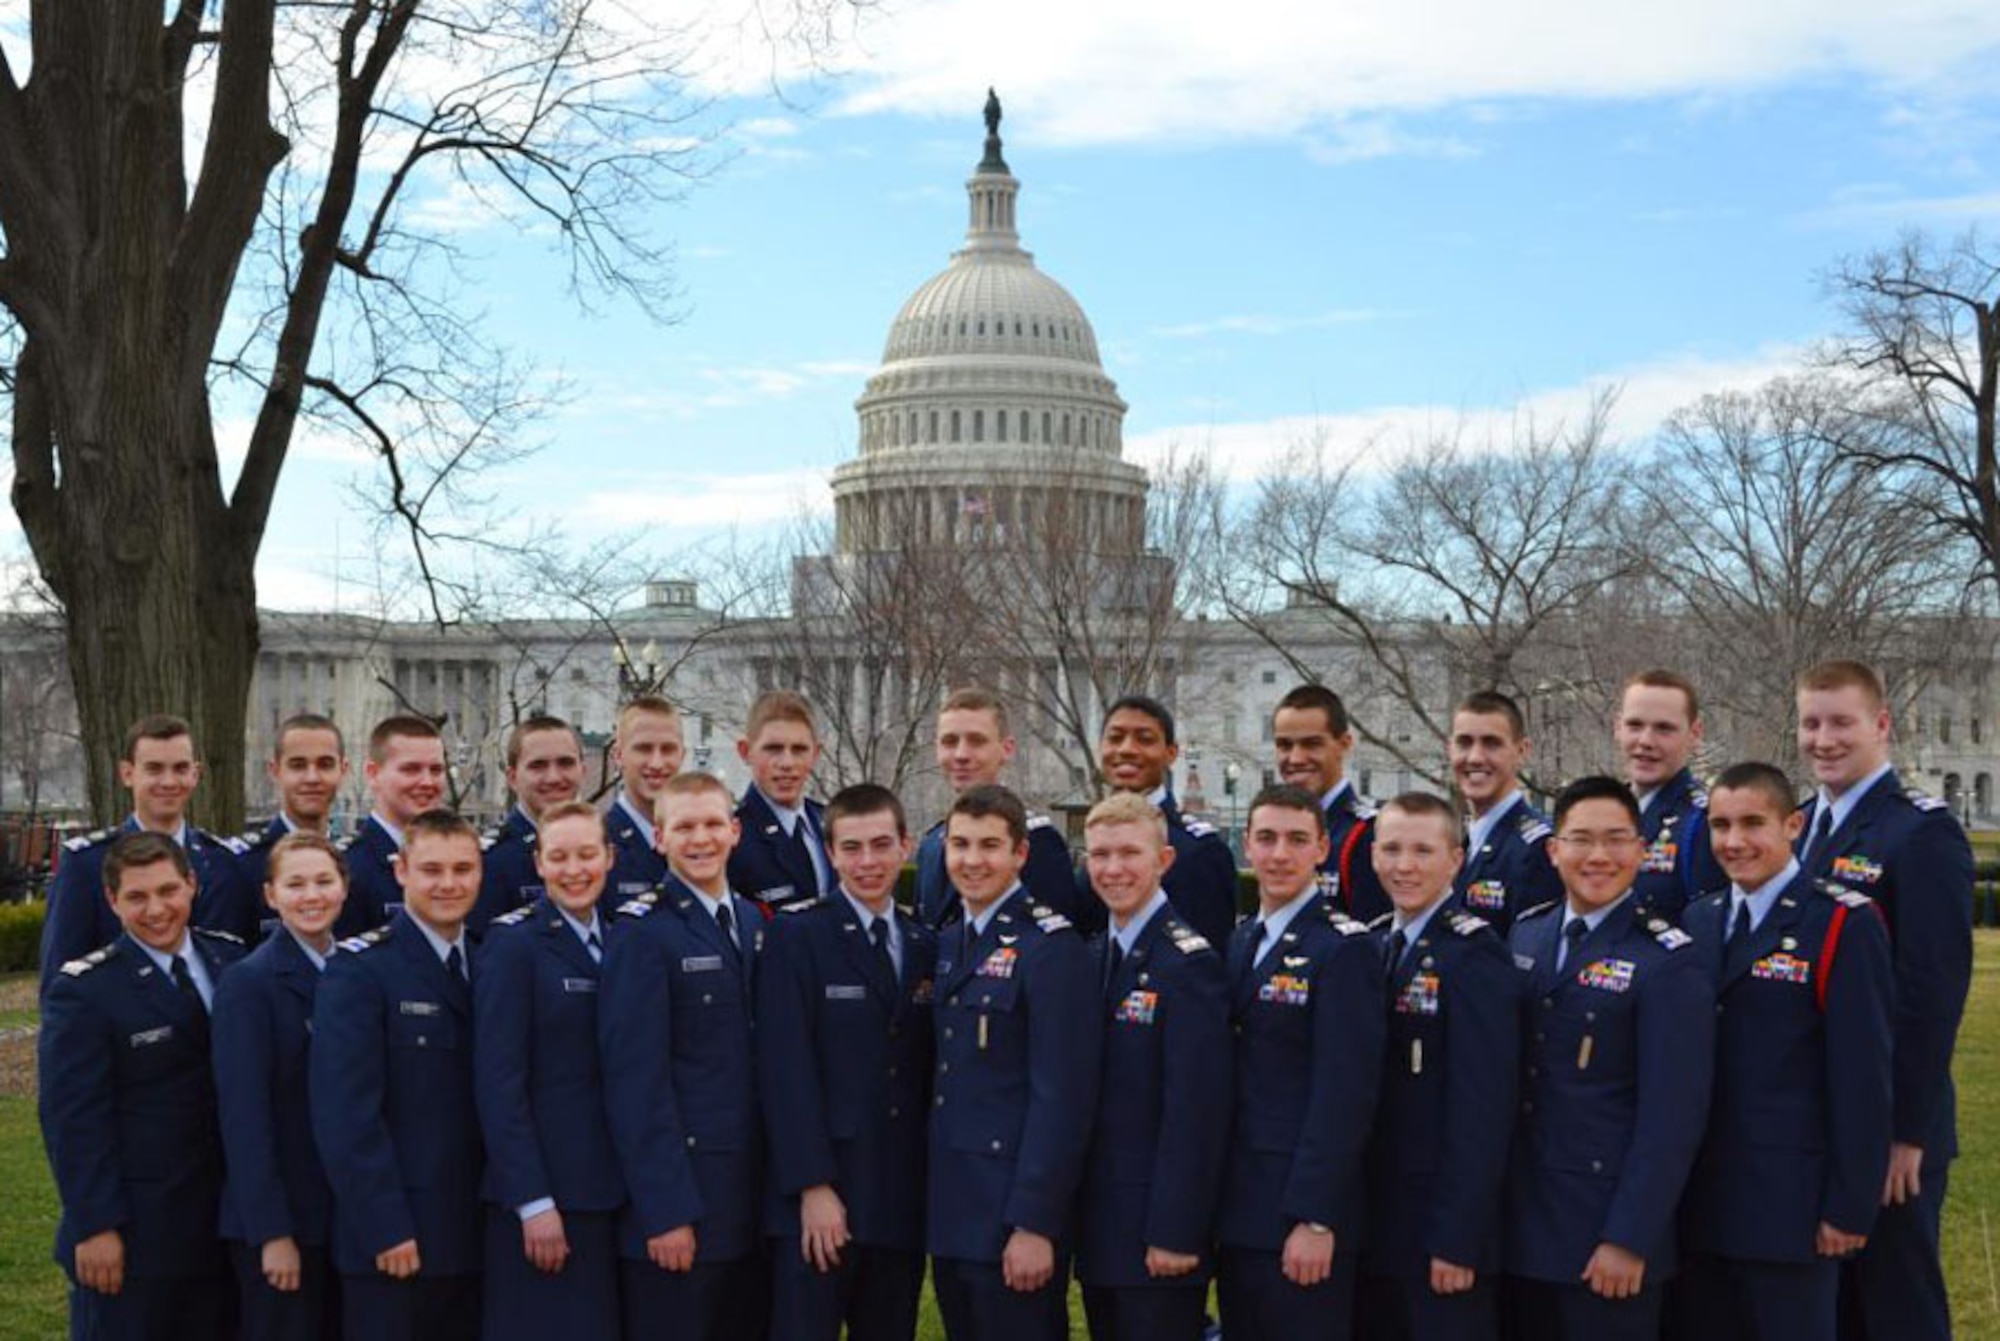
(579, 984)
(160, 1035)
(418, 1007)
(701, 964)
(1525, 963)
(836, 991)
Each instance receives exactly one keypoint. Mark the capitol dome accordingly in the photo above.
(991, 417)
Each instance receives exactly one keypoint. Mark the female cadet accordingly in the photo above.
(276, 1206)
(552, 1183)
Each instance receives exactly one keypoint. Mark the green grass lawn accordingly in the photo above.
(31, 1289)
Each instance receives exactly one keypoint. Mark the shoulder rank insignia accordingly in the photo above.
(1923, 800)
(226, 937)
(252, 839)
(1840, 893)
(1532, 828)
(1189, 940)
(1381, 923)
(805, 905)
(640, 906)
(76, 968)
(1698, 799)
(1535, 911)
(1671, 937)
(1199, 828)
(514, 918)
(233, 845)
(84, 840)
(1040, 822)
(1360, 806)
(1465, 924)
(1048, 919)
(366, 940)
(1344, 924)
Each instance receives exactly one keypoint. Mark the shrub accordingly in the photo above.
(20, 936)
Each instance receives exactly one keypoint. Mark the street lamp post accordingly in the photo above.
(1231, 771)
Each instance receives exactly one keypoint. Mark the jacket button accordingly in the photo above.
(690, 1142)
(996, 1145)
(895, 1112)
(1597, 1166)
(940, 1101)
(943, 1067)
(1590, 1015)
(421, 1040)
(947, 1031)
(1547, 1004)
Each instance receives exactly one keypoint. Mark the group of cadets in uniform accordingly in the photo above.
(1665, 1061)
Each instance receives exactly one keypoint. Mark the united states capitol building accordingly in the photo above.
(991, 429)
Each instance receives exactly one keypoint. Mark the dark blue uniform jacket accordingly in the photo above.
(1309, 1041)
(844, 1051)
(1162, 1131)
(1450, 1087)
(277, 1186)
(1201, 884)
(674, 1024)
(1905, 851)
(1680, 863)
(768, 867)
(1349, 868)
(392, 1103)
(535, 1058)
(507, 878)
(1799, 1126)
(374, 895)
(1016, 1080)
(638, 866)
(1510, 872)
(1614, 1098)
(128, 1108)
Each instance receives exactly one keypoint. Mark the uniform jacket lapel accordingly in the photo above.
(158, 987)
(568, 947)
(861, 956)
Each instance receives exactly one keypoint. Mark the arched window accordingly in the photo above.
(934, 426)
(1048, 430)
(979, 425)
(1000, 426)
(954, 426)
(1982, 793)
(1024, 426)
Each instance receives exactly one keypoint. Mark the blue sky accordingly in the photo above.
(1281, 217)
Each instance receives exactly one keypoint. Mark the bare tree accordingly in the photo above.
(1089, 598)
(1784, 540)
(1924, 334)
(1471, 562)
(217, 202)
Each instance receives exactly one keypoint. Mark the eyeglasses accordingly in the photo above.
(1616, 841)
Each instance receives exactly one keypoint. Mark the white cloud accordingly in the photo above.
(712, 501)
(1886, 205)
(1135, 70)
(1647, 394)
(1265, 325)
